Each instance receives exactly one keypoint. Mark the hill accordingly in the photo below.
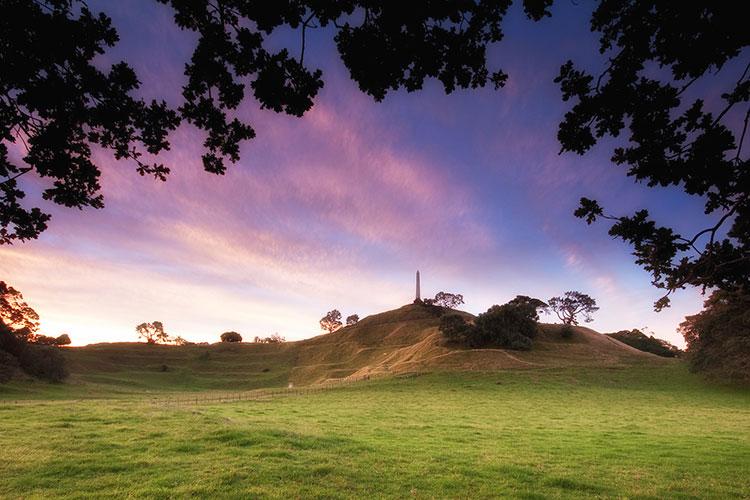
(395, 342)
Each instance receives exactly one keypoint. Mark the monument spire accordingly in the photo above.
(419, 295)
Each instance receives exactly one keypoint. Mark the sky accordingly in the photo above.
(338, 209)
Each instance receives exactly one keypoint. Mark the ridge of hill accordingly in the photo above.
(404, 340)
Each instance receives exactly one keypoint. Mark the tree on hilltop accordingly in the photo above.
(230, 337)
(571, 305)
(153, 333)
(331, 321)
(449, 300)
(352, 319)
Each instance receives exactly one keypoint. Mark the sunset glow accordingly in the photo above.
(339, 208)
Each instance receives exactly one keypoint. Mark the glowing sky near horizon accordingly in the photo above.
(339, 208)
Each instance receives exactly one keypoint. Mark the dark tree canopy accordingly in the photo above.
(15, 313)
(447, 299)
(352, 319)
(57, 105)
(718, 338)
(230, 337)
(572, 305)
(674, 137)
(331, 321)
(153, 333)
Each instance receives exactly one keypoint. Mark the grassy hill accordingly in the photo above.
(400, 341)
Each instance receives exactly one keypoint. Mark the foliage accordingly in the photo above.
(62, 340)
(15, 312)
(677, 133)
(61, 101)
(571, 305)
(273, 339)
(718, 338)
(8, 366)
(512, 325)
(153, 333)
(352, 319)
(331, 321)
(230, 337)
(639, 340)
(449, 300)
(455, 329)
(43, 362)
(537, 305)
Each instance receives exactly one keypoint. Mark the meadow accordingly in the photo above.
(622, 432)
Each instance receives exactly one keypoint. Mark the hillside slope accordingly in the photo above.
(400, 341)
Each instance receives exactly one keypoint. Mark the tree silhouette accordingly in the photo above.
(449, 300)
(153, 333)
(352, 320)
(331, 321)
(59, 105)
(571, 305)
(15, 313)
(674, 136)
(230, 337)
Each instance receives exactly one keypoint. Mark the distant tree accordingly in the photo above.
(273, 339)
(153, 333)
(352, 320)
(571, 305)
(636, 338)
(41, 340)
(537, 305)
(43, 362)
(181, 341)
(512, 325)
(230, 337)
(331, 321)
(62, 340)
(449, 300)
(508, 325)
(718, 338)
(15, 313)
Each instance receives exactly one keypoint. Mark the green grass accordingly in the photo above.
(639, 432)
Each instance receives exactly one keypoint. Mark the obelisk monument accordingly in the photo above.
(419, 295)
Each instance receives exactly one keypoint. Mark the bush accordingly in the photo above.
(8, 366)
(639, 340)
(454, 328)
(509, 325)
(43, 362)
(63, 339)
(718, 338)
(231, 337)
(566, 331)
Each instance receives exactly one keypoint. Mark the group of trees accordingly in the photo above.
(445, 299)
(153, 333)
(671, 127)
(236, 337)
(515, 325)
(648, 343)
(332, 321)
(21, 347)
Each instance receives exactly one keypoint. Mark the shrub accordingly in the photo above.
(509, 325)
(63, 339)
(231, 337)
(43, 362)
(718, 338)
(639, 340)
(454, 328)
(8, 366)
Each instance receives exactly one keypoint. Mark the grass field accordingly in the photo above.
(637, 432)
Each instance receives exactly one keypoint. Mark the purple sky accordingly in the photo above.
(339, 208)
